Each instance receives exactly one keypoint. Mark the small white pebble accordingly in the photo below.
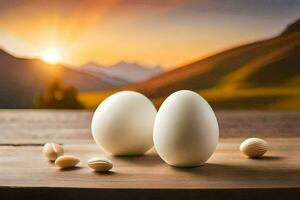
(67, 161)
(100, 164)
(254, 147)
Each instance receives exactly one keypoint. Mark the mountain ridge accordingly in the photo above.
(129, 71)
(208, 72)
(260, 75)
(21, 79)
(292, 27)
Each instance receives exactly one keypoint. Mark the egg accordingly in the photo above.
(186, 131)
(123, 124)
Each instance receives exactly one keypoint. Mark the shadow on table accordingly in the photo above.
(252, 170)
(269, 158)
(71, 168)
(108, 173)
(149, 159)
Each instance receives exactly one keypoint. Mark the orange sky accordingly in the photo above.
(169, 33)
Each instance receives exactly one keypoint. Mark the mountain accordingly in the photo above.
(131, 72)
(293, 27)
(22, 79)
(269, 63)
(101, 72)
(260, 75)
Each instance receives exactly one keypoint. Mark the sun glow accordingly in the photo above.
(51, 56)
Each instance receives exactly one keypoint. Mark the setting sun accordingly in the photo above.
(51, 56)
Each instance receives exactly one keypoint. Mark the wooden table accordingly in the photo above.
(25, 174)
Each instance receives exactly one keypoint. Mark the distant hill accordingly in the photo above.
(259, 75)
(131, 72)
(293, 27)
(22, 79)
(273, 62)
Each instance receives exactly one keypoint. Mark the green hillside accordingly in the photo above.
(241, 65)
(260, 75)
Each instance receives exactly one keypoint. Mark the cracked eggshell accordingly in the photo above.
(123, 123)
(186, 131)
(52, 151)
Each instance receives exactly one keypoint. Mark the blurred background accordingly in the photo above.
(73, 54)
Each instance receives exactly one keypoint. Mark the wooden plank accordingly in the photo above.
(24, 173)
(147, 194)
(24, 166)
(40, 126)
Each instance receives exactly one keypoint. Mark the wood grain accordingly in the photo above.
(25, 174)
(40, 126)
(25, 167)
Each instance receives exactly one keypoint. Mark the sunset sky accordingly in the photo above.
(165, 32)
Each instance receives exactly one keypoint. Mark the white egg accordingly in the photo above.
(123, 123)
(186, 131)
